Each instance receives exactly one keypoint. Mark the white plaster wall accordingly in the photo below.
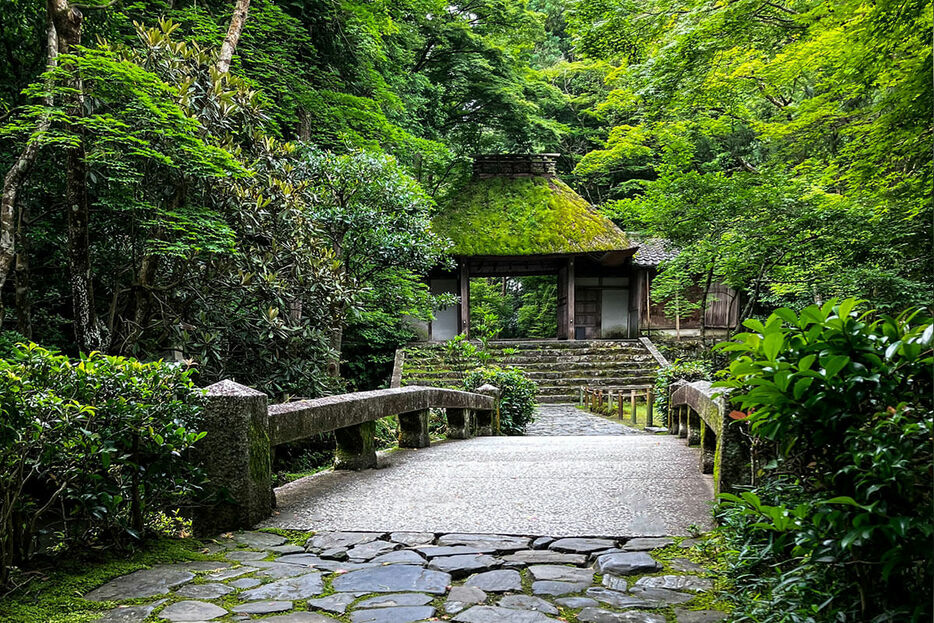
(614, 312)
(444, 326)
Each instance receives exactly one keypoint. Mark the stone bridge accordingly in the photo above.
(575, 474)
(581, 520)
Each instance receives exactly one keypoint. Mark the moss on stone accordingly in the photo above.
(524, 216)
(260, 455)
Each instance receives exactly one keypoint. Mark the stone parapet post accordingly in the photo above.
(488, 421)
(708, 443)
(672, 415)
(460, 423)
(356, 446)
(236, 456)
(413, 429)
(694, 428)
(733, 461)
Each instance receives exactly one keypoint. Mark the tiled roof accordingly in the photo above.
(652, 251)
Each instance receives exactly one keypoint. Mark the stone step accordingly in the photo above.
(560, 368)
(550, 390)
(588, 360)
(535, 352)
(555, 381)
(543, 373)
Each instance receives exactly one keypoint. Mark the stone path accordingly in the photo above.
(622, 485)
(597, 477)
(569, 420)
(372, 577)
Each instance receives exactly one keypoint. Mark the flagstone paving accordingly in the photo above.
(491, 583)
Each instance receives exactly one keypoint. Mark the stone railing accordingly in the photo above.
(700, 415)
(242, 429)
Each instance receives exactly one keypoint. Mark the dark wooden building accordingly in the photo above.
(516, 218)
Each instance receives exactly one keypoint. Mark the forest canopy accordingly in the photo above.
(783, 149)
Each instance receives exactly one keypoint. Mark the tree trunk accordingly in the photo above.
(335, 343)
(233, 35)
(304, 125)
(68, 20)
(15, 177)
(21, 279)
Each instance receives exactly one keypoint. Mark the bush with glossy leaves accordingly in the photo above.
(841, 527)
(516, 398)
(91, 450)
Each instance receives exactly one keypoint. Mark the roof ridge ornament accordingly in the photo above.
(515, 165)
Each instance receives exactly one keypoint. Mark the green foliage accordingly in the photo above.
(92, 449)
(514, 307)
(517, 395)
(844, 397)
(675, 371)
(784, 146)
(8, 343)
(537, 317)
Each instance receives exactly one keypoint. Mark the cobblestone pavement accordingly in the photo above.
(569, 420)
(404, 577)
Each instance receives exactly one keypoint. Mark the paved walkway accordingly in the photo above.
(569, 420)
(622, 483)
(405, 577)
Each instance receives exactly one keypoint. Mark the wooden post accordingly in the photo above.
(632, 405)
(570, 297)
(648, 407)
(464, 307)
(621, 405)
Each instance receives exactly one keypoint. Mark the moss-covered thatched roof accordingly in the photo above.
(524, 216)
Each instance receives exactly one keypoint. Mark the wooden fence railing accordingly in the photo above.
(612, 401)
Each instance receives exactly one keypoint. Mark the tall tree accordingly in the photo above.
(237, 20)
(16, 176)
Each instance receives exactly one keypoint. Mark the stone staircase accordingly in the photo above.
(560, 368)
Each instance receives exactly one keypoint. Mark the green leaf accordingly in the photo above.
(834, 364)
(772, 345)
(801, 386)
(787, 315)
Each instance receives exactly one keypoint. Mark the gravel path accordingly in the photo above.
(569, 420)
(615, 485)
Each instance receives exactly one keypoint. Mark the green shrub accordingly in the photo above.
(8, 342)
(517, 395)
(841, 528)
(676, 371)
(90, 450)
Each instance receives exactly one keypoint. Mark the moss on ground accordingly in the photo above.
(54, 595)
(524, 216)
